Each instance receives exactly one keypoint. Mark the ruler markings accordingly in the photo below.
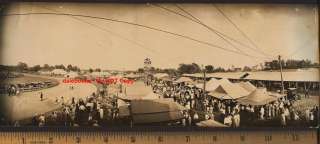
(292, 137)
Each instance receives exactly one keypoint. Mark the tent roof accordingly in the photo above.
(228, 90)
(213, 83)
(166, 78)
(260, 96)
(210, 123)
(247, 86)
(184, 79)
(132, 75)
(157, 117)
(151, 96)
(160, 75)
(59, 71)
(154, 106)
(297, 75)
(102, 73)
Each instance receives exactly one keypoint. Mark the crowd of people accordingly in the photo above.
(94, 110)
(102, 109)
(202, 106)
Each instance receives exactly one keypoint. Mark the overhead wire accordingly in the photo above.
(216, 32)
(196, 20)
(242, 33)
(108, 31)
(129, 23)
(232, 39)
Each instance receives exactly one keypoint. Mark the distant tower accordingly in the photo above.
(147, 68)
(147, 64)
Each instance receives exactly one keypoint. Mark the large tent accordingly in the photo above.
(228, 90)
(100, 74)
(184, 80)
(210, 123)
(154, 111)
(260, 96)
(160, 75)
(151, 96)
(123, 108)
(248, 86)
(132, 75)
(58, 72)
(43, 72)
(211, 85)
(72, 74)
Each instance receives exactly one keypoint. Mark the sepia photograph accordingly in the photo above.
(159, 65)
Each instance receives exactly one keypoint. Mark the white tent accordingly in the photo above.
(228, 90)
(58, 72)
(72, 74)
(132, 75)
(184, 79)
(213, 83)
(260, 96)
(160, 75)
(45, 72)
(100, 74)
(151, 96)
(247, 85)
(210, 123)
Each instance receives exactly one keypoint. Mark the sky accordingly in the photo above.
(264, 31)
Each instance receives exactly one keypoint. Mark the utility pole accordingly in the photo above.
(204, 80)
(282, 85)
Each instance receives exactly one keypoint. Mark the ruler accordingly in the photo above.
(163, 137)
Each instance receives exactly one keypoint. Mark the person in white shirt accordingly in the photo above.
(283, 119)
(228, 120)
(262, 113)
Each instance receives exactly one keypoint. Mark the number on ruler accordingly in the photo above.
(78, 140)
(214, 138)
(268, 138)
(242, 138)
(295, 137)
(132, 139)
(187, 138)
(160, 139)
(105, 140)
(23, 140)
(50, 140)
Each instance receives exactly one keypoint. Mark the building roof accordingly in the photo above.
(59, 71)
(298, 75)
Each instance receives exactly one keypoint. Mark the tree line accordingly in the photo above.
(269, 65)
(23, 67)
(290, 64)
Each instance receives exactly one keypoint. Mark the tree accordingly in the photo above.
(140, 70)
(246, 68)
(209, 68)
(189, 68)
(97, 70)
(35, 68)
(60, 66)
(46, 67)
(219, 69)
(21, 66)
(90, 70)
(69, 67)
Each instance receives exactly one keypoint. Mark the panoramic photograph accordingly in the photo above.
(159, 65)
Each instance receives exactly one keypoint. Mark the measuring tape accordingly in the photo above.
(169, 137)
